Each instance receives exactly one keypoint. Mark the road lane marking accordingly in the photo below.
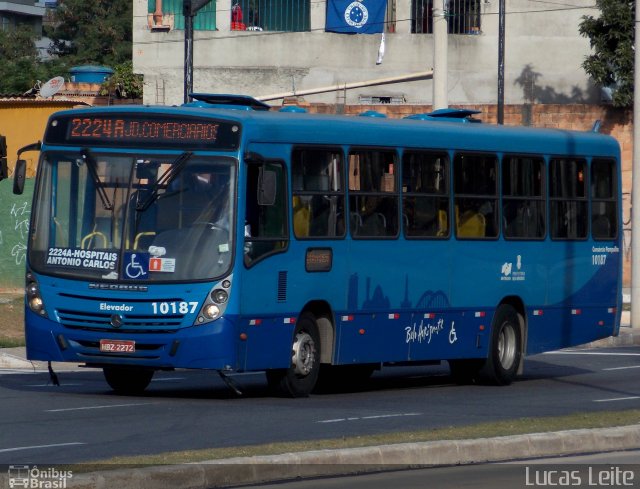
(359, 418)
(34, 447)
(96, 407)
(617, 399)
(621, 368)
(167, 379)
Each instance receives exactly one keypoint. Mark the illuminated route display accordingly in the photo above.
(134, 130)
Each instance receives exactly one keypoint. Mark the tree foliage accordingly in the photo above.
(98, 32)
(21, 68)
(124, 83)
(611, 36)
(95, 32)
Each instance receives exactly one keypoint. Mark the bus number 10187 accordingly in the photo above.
(174, 307)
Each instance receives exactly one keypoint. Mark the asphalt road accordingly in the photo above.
(83, 420)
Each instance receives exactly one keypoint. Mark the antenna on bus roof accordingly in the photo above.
(53, 86)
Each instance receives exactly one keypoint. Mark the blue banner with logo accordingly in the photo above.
(353, 17)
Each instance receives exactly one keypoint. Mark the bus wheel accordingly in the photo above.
(126, 380)
(505, 351)
(300, 378)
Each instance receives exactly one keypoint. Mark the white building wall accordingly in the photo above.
(543, 57)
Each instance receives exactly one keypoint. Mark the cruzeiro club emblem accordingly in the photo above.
(356, 14)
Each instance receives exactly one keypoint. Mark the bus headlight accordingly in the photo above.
(32, 290)
(219, 296)
(211, 311)
(34, 298)
(215, 303)
(36, 304)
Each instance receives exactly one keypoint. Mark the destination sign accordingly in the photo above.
(135, 130)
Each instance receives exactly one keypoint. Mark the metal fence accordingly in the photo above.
(463, 16)
(271, 15)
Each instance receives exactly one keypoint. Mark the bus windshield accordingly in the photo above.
(142, 217)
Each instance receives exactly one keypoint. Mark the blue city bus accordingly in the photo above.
(226, 236)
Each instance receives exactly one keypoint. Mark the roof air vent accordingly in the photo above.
(448, 115)
(372, 113)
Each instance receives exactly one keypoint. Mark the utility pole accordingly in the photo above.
(440, 62)
(189, 9)
(501, 19)
(635, 181)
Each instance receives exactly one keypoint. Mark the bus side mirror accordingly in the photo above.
(266, 187)
(19, 176)
(21, 168)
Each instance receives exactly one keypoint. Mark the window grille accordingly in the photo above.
(205, 19)
(463, 16)
(270, 15)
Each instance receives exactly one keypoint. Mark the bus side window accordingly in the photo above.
(318, 193)
(476, 195)
(568, 198)
(523, 199)
(373, 195)
(604, 200)
(266, 230)
(425, 194)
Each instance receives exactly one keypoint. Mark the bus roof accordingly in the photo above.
(295, 127)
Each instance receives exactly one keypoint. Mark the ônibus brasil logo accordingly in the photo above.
(33, 477)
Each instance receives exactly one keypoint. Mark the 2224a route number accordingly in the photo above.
(164, 308)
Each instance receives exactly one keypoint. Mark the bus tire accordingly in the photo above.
(128, 380)
(505, 348)
(300, 378)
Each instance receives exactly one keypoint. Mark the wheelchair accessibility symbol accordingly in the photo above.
(136, 266)
(453, 337)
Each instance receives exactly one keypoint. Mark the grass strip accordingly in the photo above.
(600, 419)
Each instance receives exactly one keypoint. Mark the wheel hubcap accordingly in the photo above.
(507, 347)
(304, 354)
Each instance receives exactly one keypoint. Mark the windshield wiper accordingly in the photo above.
(92, 166)
(165, 179)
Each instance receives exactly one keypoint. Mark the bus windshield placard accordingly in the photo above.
(137, 130)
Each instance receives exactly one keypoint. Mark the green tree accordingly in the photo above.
(124, 83)
(95, 32)
(19, 68)
(611, 36)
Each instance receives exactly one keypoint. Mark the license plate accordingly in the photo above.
(117, 346)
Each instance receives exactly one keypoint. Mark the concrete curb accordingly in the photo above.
(16, 359)
(324, 463)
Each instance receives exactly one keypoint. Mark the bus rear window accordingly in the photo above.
(604, 200)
